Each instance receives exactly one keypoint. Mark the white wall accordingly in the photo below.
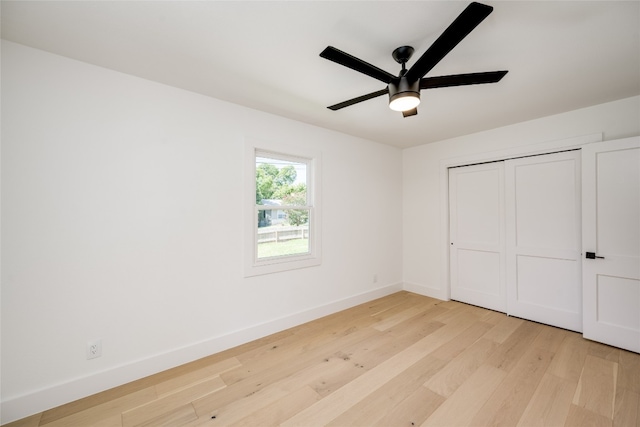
(425, 217)
(122, 220)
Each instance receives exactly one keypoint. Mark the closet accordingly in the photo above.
(553, 238)
(515, 230)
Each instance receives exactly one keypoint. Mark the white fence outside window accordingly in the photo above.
(280, 234)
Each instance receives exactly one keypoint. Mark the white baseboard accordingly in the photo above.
(425, 290)
(59, 394)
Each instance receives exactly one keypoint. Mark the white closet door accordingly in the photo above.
(543, 203)
(611, 229)
(477, 235)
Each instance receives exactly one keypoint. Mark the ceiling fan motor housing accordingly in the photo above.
(402, 88)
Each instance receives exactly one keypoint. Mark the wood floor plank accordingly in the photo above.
(374, 308)
(596, 389)
(365, 355)
(504, 328)
(509, 352)
(391, 344)
(450, 304)
(603, 351)
(629, 371)
(377, 306)
(627, 408)
(264, 358)
(352, 366)
(550, 338)
(493, 317)
(170, 402)
(105, 414)
(569, 359)
(457, 371)
(111, 420)
(413, 410)
(315, 333)
(390, 314)
(177, 417)
(372, 409)
(420, 324)
(203, 374)
(283, 409)
(581, 417)
(399, 317)
(462, 341)
(507, 404)
(452, 314)
(549, 405)
(466, 401)
(239, 408)
(369, 356)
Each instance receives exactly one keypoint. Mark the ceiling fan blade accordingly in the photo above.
(350, 61)
(359, 99)
(462, 79)
(410, 113)
(473, 15)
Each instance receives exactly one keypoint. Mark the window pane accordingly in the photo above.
(290, 237)
(280, 182)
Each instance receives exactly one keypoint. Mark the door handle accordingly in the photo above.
(592, 255)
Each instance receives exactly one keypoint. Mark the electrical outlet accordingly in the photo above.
(375, 277)
(94, 348)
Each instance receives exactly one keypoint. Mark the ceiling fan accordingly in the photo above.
(404, 89)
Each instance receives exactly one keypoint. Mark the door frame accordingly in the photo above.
(492, 156)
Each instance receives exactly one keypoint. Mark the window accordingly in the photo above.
(284, 212)
(282, 206)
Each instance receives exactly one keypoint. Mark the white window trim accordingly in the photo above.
(253, 266)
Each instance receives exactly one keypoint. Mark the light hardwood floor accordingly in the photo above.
(402, 360)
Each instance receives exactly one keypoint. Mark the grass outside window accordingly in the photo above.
(284, 248)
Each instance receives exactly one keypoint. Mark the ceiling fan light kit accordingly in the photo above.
(404, 89)
(404, 96)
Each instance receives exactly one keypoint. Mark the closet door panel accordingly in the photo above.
(543, 239)
(477, 235)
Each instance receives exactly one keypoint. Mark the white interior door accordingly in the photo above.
(611, 230)
(542, 195)
(476, 218)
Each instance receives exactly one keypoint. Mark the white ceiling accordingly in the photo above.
(561, 55)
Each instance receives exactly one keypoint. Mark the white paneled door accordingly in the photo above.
(476, 207)
(515, 237)
(611, 242)
(543, 262)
